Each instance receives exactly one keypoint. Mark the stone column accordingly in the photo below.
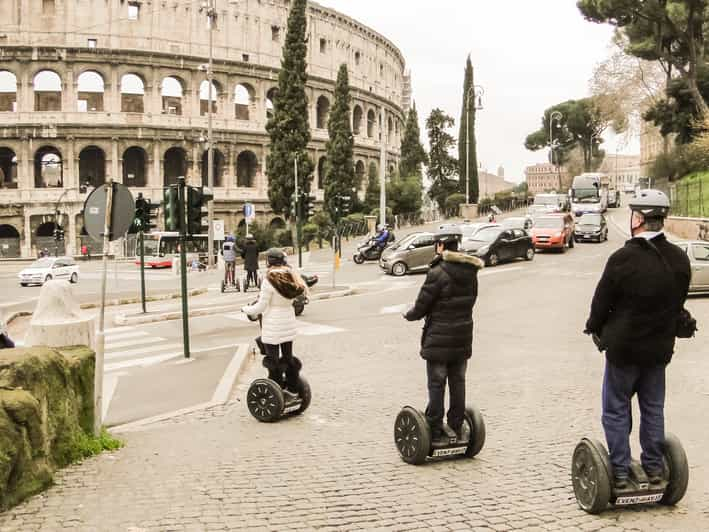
(26, 166)
(112, 94)
(27, 245)
(155, 180)
(71, 178)
(262, 177)
(25, 101)
(69, 92)
(115, 174)
(193, 177)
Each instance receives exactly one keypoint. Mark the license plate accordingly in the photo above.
(638, 499)
(449, 452)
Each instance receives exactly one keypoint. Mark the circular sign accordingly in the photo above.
(122, 213)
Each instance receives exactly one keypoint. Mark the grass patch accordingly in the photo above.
(691, 197)
(87, 445)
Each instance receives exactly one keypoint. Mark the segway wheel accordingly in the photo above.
(358, 259)
(590, 476)
(265, 400)
(475, 421)
(412, 436)
(305, 395)
(299, 307)
(676, 461)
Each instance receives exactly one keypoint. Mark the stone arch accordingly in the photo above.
(172, 90)
(204, 97)
(9, 242)
(8, 168)
(92, 166)
(357, 115)
(371, 123)
(174, 165)
(359, 173)
(322, 112)
(243, 100)
(390, 131)
(132, 93)
(91, 87)
(47, 86)
(246, 169)
(277, 223)
(44, 238)
(48, 167)
(134, 167)
(271, 96)
(322, 169)
(8, 91)
(218, 165)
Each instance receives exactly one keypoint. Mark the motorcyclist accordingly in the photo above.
(250, 255)
(446, 301)
(381, 239)
(278, 323)
(634, 318)
(229, 254)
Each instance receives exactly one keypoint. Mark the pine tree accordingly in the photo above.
(340, 174)
(468, 110)
(289, 128)
(413, 154)
(442, 167)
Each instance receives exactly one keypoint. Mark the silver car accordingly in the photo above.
(48, 268)
(413, 253)
(698, 252)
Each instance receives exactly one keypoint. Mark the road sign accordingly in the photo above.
(122, 213)
(218, 230)
(249, 212)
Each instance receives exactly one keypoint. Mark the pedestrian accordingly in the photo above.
(278, 322)
(250, 255)
(446, 302)
(229, 254)
(634, 318)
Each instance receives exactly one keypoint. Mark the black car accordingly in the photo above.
(591, 227)
(497, 244)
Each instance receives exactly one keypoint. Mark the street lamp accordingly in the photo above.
(476, 91)
(209, 8)
(556, 115)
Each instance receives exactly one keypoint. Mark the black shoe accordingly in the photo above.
(655, 477)
(620, 483)
(436, 433)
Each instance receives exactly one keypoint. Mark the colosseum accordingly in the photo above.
(98, 89)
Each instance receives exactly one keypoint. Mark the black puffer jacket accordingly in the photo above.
(250, 255)
(446, 300)
(638, 300)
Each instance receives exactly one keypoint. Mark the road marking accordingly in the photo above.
(110, 383)
(141, 351)
(395, 309)
(226, 383)
(142, 362)
(313, 329)
(113, 346)
(487, 272)
(118, 336)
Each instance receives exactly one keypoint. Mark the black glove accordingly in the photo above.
(598, 342)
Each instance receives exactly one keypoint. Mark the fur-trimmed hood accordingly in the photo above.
(286, 282)
(462, 258)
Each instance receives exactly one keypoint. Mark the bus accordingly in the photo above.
(588, 194)
(162, 247)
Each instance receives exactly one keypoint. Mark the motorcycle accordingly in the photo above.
(302, 300)
(368, 250)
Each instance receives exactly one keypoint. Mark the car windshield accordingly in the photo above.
(488, 234)
(42, 263)
(590, 219)
(586, 195)
(514, 222)
(549, 223)
(404, 242)
(151, 248)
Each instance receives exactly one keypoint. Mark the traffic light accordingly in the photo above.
(141, 210)
(345, 204)
(308, 205)
(294, 207)
(197, 199)
(59, 234)
(172, 209)
(151, 216)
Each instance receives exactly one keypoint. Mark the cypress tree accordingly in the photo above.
(289, 128)
(340, 173)
(413, 154)
(468, 83)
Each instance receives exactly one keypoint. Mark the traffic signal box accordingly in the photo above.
(197, 200)
(59, 234)
(171, 202)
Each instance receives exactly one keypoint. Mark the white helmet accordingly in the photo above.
(650, 203)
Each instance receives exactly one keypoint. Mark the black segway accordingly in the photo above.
(230, 286)
(592, 478)
(412, 435)
(245, 283)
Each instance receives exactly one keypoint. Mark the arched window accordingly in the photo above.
(48, 171)
(8, 91)
(91, 88)
(92, 166)
(243, 98)
(204, 97)
(132, 94)
(9, 242)
(8, 168)
(359, 174)
(357, 120)
(171, 91)
(277, 223)
(246, 168)
(174, 165)
(134, 163)
(44, 238)
(47, 91)
(371, 123)
(322, 112)
(217, 165)
(271, 102)
(322, 169)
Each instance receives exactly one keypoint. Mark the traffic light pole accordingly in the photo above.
(181, 200)
(141, 243)
(298, 215)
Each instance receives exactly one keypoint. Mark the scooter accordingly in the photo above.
(300, 301)
(369, 250)
(413, 438)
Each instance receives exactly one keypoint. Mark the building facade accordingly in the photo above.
(98, 89)
(623, 170)
(652, 144)
(545, 177)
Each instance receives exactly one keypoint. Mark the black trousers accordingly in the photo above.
(438, 373)
(251, 277)
(282, 364)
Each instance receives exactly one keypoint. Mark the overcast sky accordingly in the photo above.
(527, 54)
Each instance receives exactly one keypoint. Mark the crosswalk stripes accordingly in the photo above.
(127, 347)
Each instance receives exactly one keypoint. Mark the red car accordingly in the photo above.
(553, 231)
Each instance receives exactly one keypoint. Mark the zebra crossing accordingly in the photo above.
(129, 347)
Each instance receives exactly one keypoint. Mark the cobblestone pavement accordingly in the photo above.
(534, 376)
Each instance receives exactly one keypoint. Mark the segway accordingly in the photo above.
(412, 435)
(246, 285)
(229, 286)
(592, 478)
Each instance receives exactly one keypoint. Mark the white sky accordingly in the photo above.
(528, 55)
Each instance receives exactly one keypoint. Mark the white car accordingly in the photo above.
(49, 268)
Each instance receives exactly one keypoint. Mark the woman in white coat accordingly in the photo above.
(278, 323)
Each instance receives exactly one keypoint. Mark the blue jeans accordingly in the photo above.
(619, 386)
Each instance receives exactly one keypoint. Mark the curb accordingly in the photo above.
(210, 311)
(220, 397)
(20, 314)
(135, 300)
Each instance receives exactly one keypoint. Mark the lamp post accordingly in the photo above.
(477, 91)
(558, 116)
(209, 8)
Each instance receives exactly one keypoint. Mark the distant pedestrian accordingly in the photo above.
(229, 254)
(250, 255)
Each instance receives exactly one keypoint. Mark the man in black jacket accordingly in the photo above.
(446, 300)
(634, 317)
(250, 255)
